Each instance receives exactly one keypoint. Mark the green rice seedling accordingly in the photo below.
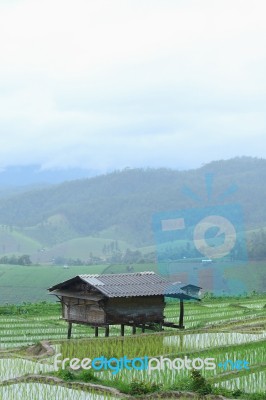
(15, 367)
(252, 383)
(37, 391)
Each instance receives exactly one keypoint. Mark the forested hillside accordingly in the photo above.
(120, 205)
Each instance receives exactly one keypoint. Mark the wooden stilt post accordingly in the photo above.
(122, 330)
(143, 328)
(69, 330)
(181, 315)
(107, 331)
(96, 331)
(133, 329)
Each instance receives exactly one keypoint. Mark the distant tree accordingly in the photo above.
(112, 246)
(132, 256)
(257, 245)
(21, 260)
(24, 260)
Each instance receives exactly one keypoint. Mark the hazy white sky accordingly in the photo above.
(106, 84)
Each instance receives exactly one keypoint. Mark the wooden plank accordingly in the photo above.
(69, 330)
(168, 323)
(181, 315)
(107, 331)
(171, 325)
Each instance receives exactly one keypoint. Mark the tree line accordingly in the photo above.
(16, 260)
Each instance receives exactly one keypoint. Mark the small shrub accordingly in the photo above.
(65, 374)
(184, 384)
(139, 387)
(87, 376)
(199, 383)
(237, 393)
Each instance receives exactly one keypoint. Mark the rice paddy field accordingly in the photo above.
(224, 329)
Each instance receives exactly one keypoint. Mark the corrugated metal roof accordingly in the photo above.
(92, 280)
(129, 284)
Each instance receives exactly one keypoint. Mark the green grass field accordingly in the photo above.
(30, 283)
(15, 242)
(20, 284)
(65, 243)
(82, 247)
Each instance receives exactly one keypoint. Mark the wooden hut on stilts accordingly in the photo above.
(128, 299)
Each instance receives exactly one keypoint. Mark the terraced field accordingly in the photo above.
(232, 329)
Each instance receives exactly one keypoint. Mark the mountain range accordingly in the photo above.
(79, 217)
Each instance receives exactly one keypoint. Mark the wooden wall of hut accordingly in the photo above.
(138, 309)
(82, 311)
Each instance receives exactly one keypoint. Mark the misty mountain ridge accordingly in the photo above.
(30, 175)
(120, 205)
